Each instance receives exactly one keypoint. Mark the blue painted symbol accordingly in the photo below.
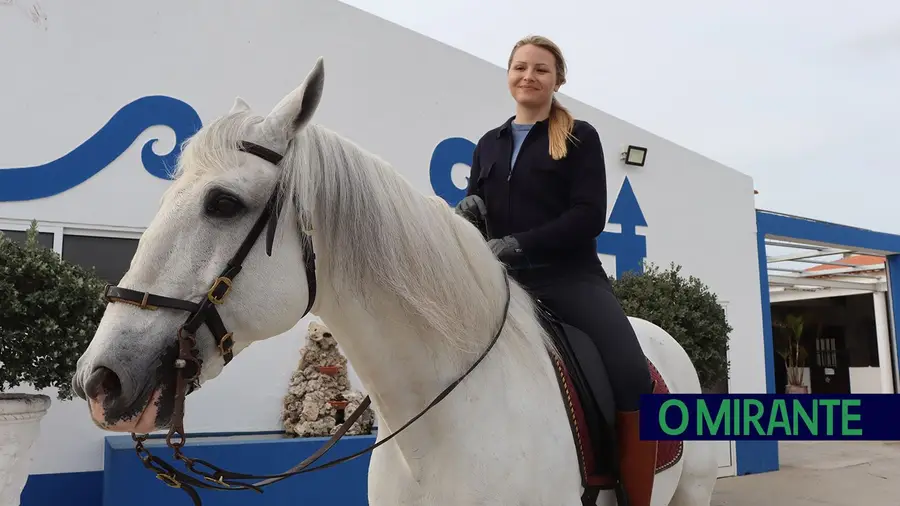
(629, 248)
(95, 154)
(446, 154)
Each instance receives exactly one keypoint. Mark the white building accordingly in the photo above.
(91, 85)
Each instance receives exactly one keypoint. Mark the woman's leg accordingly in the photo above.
(587, 301)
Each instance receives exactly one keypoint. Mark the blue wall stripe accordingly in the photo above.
(893, 276)
(766, 308)
(753, 457)
(781, 225)
(69, 489)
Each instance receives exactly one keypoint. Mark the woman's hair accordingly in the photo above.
(561, 120)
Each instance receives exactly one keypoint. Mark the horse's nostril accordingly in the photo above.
(103, 381)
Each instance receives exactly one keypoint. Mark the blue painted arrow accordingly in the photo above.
(627, 246)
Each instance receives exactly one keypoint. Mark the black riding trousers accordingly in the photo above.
(583, 298)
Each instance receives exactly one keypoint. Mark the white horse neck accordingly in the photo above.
(410, 290)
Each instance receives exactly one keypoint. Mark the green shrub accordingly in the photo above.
(686, 309)
(49, 311)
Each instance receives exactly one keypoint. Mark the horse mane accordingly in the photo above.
(384, 237)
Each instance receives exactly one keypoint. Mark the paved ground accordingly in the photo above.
(821, 474)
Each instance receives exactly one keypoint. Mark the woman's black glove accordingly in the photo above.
(472, 208)
(508, 251)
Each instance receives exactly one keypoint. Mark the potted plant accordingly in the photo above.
(794, 354)
(49, 309)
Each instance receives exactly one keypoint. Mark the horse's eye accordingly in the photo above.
(223, 205)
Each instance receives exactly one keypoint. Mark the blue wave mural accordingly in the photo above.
(95, 154)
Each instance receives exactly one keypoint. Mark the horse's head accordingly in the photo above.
(182, 310)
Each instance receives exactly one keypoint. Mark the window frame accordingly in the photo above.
(62, 229)
(16, 227)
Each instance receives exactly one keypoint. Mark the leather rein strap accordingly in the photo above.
(188, 364)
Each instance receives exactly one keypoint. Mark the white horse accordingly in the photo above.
(410, 290)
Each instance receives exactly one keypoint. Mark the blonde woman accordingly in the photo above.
(540, 181)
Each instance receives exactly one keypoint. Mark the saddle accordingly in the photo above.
(587, 394)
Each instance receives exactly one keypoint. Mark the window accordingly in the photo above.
(45, 239)
(110, 257)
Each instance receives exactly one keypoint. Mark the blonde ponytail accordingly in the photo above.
(560, 129)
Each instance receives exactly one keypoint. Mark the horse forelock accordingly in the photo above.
(214, 148)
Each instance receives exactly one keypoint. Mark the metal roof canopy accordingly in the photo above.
(790, 277)
(793, 245)
(809, 241)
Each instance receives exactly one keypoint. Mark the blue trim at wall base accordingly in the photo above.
(69, 489)
(753, 457)
(127, 481)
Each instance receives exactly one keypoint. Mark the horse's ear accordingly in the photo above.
(240, 105)
(297, 108)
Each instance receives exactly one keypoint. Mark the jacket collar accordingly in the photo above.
(505, 127)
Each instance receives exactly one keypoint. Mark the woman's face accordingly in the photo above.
(532, 76)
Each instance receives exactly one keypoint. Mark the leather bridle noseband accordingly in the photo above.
(188, 364)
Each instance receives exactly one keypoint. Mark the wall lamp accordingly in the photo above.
(634, 155)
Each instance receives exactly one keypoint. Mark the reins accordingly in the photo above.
(188, 364)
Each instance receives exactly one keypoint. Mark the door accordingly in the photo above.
(724, 450)
(829, 371)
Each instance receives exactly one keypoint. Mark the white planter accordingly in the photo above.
(20, 422)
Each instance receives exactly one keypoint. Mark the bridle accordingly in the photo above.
(188, 364)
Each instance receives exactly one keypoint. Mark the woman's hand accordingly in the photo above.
(508, 251)
(472, 208)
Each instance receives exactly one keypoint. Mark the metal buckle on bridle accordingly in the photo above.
(213, 296)
(226, 343)
(143, 303)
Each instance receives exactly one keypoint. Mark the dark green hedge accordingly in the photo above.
(49, 311)
(687, 309)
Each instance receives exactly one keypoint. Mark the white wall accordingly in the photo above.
(393, 91)
(863, 380)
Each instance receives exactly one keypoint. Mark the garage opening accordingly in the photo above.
(830, 306)
(839, 298)
(845, 284)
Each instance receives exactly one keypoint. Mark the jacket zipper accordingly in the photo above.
(512, 167)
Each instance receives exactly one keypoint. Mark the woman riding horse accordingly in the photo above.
(540, 177)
